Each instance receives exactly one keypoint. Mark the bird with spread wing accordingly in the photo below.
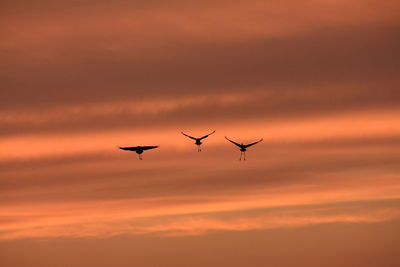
(243, 147)
(138, 149)
(198, 140)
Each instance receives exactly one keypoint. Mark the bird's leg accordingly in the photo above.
(240, 155)
(244, 154)
(140, 157)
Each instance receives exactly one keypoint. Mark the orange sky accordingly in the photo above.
(317, 79)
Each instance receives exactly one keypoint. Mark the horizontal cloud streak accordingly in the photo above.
(199, 223)
(152, 114)
(342, 55)
(366, 124)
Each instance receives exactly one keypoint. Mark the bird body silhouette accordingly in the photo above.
(243, 148)
(138, 149)
(198, 140)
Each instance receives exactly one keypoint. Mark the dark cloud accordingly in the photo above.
(332, 56)
(269, 107)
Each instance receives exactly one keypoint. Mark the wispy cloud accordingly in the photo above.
(318, 80)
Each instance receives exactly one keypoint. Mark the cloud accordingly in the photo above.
(72, 64)
(365, 124)
(317, 80)
(193, 111)
(199, 224)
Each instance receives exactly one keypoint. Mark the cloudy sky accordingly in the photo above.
(317, 79)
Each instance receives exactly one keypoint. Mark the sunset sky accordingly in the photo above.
(317, 79)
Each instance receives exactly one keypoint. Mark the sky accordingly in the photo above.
(318, 80)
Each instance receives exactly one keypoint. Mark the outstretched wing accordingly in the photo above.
(132, 148)
(136, 148)
(233, 142)
(147, 147)
(206, 135)
(254, 143)
(188, 136)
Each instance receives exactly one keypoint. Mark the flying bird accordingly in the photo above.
(198, 140)
(243, 147)
(138, 149)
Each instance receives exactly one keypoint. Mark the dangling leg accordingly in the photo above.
(240, 155)
(140, 156)
(198, 148)
(244, 154)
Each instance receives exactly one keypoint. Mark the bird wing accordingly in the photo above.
(254, 143)
(233, 142)
(136, 148)
(188, 136)
(206, 135)
(147, 147)
(132, 148)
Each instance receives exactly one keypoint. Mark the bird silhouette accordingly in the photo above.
(243, 147)
(198, 140)
(138, 149)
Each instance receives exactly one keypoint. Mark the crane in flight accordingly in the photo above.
(198, 140)
(243, 147)
(138, 149)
